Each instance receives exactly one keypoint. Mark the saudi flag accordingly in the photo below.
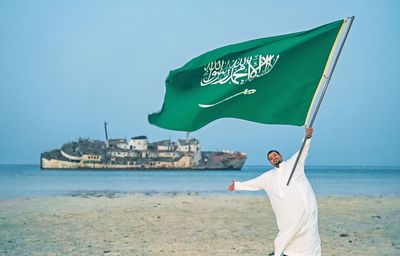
(270, 80)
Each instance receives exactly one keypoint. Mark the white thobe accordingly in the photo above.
(295, 207)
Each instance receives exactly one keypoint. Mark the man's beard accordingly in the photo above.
(277, 164)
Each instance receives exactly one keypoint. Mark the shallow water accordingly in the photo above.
(29, 181)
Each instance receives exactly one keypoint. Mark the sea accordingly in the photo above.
(27, 181)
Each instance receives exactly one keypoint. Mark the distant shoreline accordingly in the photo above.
(119, 194)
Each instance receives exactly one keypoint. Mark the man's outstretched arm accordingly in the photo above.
(255, 184)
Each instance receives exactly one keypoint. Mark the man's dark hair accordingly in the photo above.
(271, 151)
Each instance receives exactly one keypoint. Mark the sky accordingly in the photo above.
(68, 66)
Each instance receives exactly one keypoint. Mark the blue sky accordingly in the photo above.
(67, 66)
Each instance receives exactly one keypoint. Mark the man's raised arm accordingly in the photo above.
(306, 148)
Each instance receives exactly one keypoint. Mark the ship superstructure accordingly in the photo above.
(139, 153)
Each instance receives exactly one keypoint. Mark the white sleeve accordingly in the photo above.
(304, 153)
(306, 148)
(261, 182)
(300, 165)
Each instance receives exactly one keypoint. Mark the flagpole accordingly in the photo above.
(328, 79)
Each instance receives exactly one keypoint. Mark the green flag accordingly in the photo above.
(270, 80)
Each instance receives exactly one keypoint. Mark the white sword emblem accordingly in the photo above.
(245, 92)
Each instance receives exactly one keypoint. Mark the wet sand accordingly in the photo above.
(109, 224)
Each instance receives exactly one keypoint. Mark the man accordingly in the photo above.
(295, 206)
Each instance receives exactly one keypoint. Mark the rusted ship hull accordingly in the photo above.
(97, 155)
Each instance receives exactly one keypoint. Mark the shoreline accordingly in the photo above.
(181, 224)
(120, 194)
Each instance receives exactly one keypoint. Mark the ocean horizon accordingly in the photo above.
(25, 181)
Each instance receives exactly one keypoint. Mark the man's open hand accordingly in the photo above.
(232, 186)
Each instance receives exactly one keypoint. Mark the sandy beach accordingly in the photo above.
(108, 224)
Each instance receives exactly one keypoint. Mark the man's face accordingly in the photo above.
(274, 158)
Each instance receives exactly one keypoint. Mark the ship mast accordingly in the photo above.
(187, 141)
(105, 129)
(106, 148)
